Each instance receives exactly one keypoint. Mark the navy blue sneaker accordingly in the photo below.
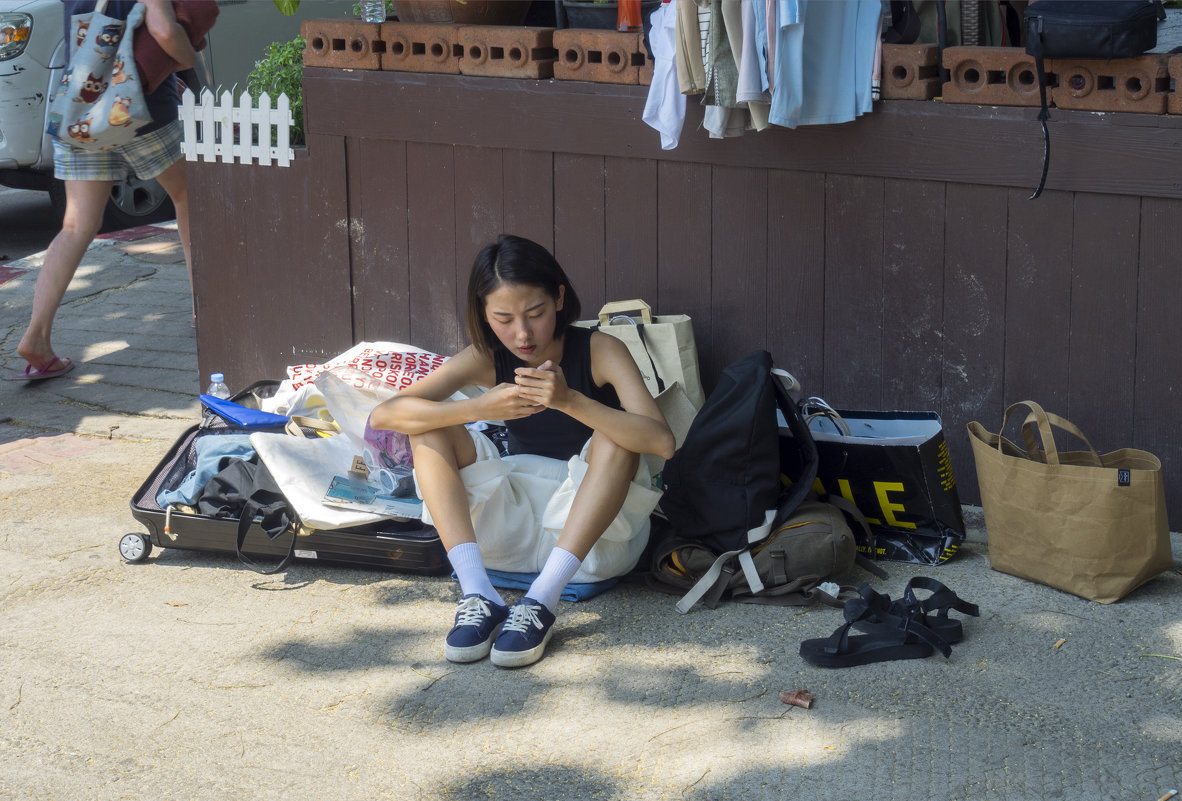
(524, 636)
(477, 622)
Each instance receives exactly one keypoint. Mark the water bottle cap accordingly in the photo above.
(217, 378)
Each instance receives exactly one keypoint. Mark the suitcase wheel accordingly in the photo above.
(135, 547)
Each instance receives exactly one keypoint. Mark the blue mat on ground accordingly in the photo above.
(522, 581)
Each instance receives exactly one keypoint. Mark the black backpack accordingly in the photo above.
(722, 488)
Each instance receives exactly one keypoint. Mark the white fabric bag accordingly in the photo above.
(519, 505)
(304, 470)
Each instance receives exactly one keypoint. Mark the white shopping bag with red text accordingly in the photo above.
(393, 363)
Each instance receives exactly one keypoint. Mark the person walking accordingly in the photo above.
(90, 175)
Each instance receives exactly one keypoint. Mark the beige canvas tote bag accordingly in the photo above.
(1088, 524)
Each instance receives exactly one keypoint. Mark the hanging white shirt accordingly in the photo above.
(665, 108)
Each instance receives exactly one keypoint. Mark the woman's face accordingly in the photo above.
(523, 318)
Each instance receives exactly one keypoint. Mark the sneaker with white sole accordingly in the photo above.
(478, 620)
(523, 638)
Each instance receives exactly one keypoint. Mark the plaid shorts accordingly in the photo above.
(145, 157)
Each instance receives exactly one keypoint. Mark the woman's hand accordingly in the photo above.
(507, 402)
(544, 385)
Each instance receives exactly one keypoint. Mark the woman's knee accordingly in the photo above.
(603, 451)
(85, 204)
(453, 443)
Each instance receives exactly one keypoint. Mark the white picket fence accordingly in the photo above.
(236, 133)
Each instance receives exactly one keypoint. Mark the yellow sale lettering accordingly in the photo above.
(881, 488)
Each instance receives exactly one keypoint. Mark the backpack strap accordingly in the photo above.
(802, 485)
(715, 574)
(802, 592)
(795, 593)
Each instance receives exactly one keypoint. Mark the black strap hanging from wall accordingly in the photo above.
(1100, 29)
(1034, 46)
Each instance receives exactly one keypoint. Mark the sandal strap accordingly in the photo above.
(940, 601)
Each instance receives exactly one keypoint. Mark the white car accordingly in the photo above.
(31, 59)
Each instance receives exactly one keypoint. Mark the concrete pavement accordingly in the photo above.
(190, 677)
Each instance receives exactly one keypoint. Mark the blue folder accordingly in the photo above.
(241, 415)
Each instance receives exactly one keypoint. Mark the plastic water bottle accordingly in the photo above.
(217, 386)
(373, 10)
(218, 389)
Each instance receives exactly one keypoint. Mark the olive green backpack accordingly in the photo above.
(814, 545)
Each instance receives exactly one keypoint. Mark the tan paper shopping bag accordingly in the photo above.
(1089, 524)
(662, 346)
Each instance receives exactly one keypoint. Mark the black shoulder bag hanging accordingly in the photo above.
(1104, 29)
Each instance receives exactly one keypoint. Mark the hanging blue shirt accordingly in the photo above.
(824, 57)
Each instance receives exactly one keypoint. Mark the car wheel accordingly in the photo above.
(133, 202)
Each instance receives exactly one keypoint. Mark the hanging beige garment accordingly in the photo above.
(691, 70)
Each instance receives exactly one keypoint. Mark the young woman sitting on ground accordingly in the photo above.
(577, 412)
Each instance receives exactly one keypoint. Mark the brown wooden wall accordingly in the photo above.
(890, 263)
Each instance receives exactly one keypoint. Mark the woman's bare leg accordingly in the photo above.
(85, 201)
(175, 184)
(595, 505)
(439, 456)
(600, 497)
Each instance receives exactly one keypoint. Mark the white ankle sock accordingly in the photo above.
(560, 567)
(466, 560)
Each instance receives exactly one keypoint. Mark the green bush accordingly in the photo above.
(281, 71)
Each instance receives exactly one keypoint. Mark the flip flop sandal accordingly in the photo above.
(52, 370)
(884, 637)
(940, 602)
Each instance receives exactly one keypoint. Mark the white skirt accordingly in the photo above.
(520, 503)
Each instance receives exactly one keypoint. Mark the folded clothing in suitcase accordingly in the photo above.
(402, 545)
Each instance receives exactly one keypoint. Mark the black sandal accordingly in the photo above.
(939, 602)
(885, 636)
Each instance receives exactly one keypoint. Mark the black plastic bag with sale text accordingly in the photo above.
(894, 466)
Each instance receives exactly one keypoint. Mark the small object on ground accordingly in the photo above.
(800, 698)
(1058, 643)
(1169, 794)
(52, 370)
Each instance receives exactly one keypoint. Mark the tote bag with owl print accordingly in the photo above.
(99, 103)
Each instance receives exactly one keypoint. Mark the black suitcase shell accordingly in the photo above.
(405, 546)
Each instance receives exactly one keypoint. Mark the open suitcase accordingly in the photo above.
(402, 545)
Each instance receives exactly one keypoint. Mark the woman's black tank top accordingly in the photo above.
(550, 432)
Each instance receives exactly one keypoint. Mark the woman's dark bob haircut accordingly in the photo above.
(514, 260)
